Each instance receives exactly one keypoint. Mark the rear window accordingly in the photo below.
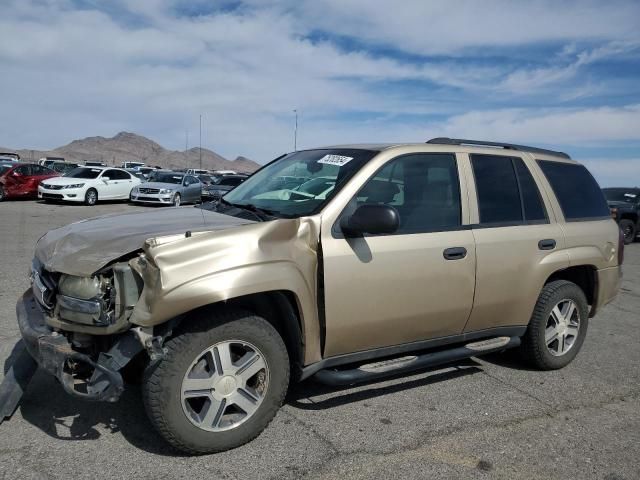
(577, 191)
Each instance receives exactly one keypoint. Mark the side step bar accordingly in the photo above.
(386, 368)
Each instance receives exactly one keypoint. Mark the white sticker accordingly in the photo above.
(338, 160)
(630, 195)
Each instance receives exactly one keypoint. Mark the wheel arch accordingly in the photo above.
(584, 276)
(279, 307)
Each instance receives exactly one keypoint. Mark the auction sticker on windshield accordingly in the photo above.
(338, 160)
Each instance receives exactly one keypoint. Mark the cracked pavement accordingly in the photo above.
(486, 418)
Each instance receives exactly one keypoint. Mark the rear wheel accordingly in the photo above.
(91, 197)
(628, 229)
(557, 327)
(220, 384)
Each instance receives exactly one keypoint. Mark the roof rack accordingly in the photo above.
(506, 146)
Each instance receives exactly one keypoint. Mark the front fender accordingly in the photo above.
(181, 274)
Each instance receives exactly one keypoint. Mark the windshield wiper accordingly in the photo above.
(261, 213)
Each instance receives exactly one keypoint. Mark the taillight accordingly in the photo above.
(620, 246)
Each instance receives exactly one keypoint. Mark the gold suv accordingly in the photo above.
(345, 263)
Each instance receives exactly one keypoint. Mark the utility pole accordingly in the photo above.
(200, 142)
(295, 133)
(186, 141)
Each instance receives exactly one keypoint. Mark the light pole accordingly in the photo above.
(200, 149)
(295, 133)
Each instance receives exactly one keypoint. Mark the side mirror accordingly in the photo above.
(105, 179)
(373, 219)
(16, 174)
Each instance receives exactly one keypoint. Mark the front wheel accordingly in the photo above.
(557, 327)
(628, 230)
(91, 197)
(220, 384)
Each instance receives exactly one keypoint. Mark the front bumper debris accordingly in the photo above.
(21, 370)
(54, 354)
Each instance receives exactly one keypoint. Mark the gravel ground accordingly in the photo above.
(484, 418)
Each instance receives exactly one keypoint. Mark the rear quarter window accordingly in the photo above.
(577, 191)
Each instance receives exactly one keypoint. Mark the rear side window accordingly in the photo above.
(577, 191)
(507, 193)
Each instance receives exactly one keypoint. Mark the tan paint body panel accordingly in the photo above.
(187, 273)
(388, 290)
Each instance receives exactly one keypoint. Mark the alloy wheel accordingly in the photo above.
(224, 386)
(562, 327)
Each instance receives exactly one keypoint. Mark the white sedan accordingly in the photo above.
(88, 185)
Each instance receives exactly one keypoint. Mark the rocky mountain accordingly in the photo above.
(127, 146)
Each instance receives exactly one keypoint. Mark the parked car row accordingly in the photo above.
(88, 184)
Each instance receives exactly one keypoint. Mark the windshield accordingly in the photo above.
(4, 168)
(300, 183)
(83, 172)
(620, 195)
(167, 177)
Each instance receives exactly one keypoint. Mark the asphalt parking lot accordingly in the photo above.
(486, 418)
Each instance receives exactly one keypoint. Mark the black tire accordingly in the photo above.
(162, 381)
(91, 197)
(628, 228)
(177, 200)
(534, 348)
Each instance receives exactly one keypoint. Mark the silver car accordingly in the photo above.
(168, 188)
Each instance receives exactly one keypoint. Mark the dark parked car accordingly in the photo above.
(215, 191)
(625, 208)
(21, 180)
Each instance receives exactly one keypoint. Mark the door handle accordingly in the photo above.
(454, 253)
(547, 244)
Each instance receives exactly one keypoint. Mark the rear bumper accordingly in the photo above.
(54, 354)
(609, 281)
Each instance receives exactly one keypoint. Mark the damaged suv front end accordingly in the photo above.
(76, 319)
(77, 328)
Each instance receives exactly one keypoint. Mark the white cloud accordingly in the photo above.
(69, 73)
(577, 127)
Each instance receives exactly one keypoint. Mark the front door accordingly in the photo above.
(413, 285)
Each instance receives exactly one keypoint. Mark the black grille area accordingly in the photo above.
(149, 190)
(54, 196)
(52, 187)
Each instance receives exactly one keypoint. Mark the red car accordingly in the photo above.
(20, 180)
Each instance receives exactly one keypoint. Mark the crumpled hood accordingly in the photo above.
(84, 247)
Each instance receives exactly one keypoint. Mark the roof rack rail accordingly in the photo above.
(506, 146)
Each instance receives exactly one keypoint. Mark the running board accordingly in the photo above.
(385, 368)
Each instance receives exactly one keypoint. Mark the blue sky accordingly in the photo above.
(560, 74)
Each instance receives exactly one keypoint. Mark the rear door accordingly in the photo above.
(384, 290)
(518, 242)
